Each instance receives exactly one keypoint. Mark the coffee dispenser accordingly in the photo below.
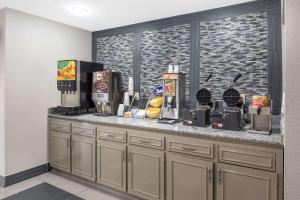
(74, 80)
(173, 96)
(106, 92)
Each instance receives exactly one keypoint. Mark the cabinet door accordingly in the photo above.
(60, 151)
(236, 183)
(146, 172)
(189, 178)
(111, 164)
(84, 157)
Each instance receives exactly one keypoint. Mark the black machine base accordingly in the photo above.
(199, 117)
(228, 120)
(72, 111)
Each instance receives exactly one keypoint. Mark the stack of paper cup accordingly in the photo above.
(173, 70)
(170, 69)
(130, 86)
(176, 69)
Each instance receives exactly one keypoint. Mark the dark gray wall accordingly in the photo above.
(159, 48)
(243, 38)
(233, 45)
(116, 53)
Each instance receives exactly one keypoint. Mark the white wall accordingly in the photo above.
(292, 91)
(2, 104)
(33, 45)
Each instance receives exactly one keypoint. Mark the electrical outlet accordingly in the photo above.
(137, 95)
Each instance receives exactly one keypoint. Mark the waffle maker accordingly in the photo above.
(230, 116)
(201, 115)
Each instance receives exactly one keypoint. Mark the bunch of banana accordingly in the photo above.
(154, 111)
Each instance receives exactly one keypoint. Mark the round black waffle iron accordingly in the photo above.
(204, 96)
(200, 116)
(231, 96)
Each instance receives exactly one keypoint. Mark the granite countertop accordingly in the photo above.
(276, 138)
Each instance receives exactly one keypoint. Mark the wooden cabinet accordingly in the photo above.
(84, 157)
(111, 164)
(59, 125)
(236, 183)
(112, 134)
(189, 178)
(191, 146)
(157, 166)
(60, 150)
(248, 157)
(146, 172)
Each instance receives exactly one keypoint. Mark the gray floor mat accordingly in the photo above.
(43, 191)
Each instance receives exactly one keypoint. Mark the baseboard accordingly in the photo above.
(21, 176)
(2, 181)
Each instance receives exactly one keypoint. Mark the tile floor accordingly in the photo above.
(75, 187)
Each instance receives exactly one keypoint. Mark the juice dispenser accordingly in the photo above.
(74, 80)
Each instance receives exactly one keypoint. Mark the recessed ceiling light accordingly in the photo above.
(79, 10)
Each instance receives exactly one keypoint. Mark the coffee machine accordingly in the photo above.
(228, 114)
(200, 116)
(106, 92)
(74, 80)
(173, 97)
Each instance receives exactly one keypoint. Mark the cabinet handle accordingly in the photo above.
(145, 141)
(83, 131)
(110, 135)
(123, 155)
(210, 174)
(220, 176)
(129, 156)
(188, 148)
(59, 127)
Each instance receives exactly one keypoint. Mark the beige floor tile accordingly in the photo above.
(94, 194)
(62, 183)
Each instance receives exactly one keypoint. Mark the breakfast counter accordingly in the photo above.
(276, 138)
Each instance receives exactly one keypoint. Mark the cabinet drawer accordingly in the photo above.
(83, 129)
(146, 139)
(112, 134)
(60, 125)
(190, 146)
(247, 157)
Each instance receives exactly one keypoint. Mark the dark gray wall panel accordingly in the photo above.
(116, 53)
(162, 47)
(235, 45)
(234, 12)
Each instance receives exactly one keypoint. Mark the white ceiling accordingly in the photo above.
(104, 14)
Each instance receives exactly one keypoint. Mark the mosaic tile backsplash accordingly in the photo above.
(162, 47)
(116, 53)
(235, 45)
(228, 46)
